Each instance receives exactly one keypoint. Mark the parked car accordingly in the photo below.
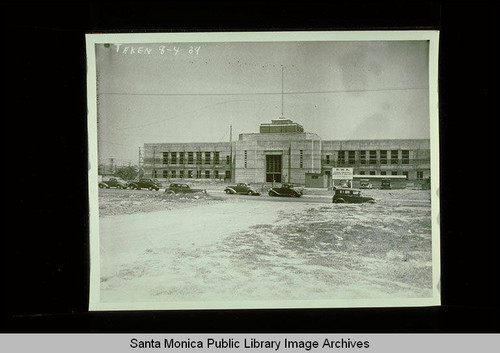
(103, 185)
(241, 188)
(145, 183)
(182, 189)
(285, 190)
(115, 182)
(365, 184)
(386, 184)
(348, 195)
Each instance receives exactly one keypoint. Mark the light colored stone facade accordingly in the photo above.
(285, 157)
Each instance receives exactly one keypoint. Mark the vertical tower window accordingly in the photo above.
(394, 157)
(373, 157)
(302, 158)
(351, 155)
(246, 158)
(362, 157)
(216, 157)
(190, 157)
(165, 157)
(383, 157)
(198, 157)
(207, 157)
(341, 158)
(174, 157)
(405, 157)
(327, 159)
(181, 157)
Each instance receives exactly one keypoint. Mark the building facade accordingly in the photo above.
(283, 152)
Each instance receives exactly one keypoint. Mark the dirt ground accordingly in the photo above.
(210, 247)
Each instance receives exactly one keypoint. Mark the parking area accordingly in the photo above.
(170, 248)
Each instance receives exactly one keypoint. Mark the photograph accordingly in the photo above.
(263, 170)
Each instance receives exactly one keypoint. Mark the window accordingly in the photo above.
(362, 172)
(394, 157)
(362, 157)
(301, 158)
(228, 174)
(405, 157)
(207, 174)
(373, 157)
(190, 158)
(181, 174)
(216, 157)
(181, 157)
(165, 173)
(314, 177)
(207, 157)
(394, 172)
(383, 157)
(155, 173)
(228, 160)
(216, 174)
(173, 174)
(190, 173)
(165, 157)
(174, 157)
(420, 175)
(198, 174)
(341, 158)
(383, 172)
(372, 172)
(405, 174)
(246, 156)
(351, 155)
(327, 159)
(198, 157)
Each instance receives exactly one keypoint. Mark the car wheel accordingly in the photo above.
(250, 193)
(271, 193)
(150, 188)
(228, 191)
(170, 192)
(341, 200)
(101, 186)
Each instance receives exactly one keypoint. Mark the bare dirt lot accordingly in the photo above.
(215, 247)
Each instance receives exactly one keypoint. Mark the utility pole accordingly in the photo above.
(111, 162)
(154, 163)
(231, 151)
(282, 91)
(141, 164)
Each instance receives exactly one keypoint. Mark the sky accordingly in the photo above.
(190, 92)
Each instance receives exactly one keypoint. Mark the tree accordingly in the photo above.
(127, 173)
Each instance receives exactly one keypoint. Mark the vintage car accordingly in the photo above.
(115, 182)
(386, 184)
(365, 184)
(177, 188)
(348, 195)
(241, 188)
(145, 183)
(285, 190)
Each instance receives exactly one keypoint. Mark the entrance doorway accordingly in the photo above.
(273, 168)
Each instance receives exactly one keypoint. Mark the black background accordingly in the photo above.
(44, 252)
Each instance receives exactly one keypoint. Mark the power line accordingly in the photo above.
(262, 93)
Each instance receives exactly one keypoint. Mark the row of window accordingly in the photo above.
(191, 174)
(420, 174)
(179, 158)
(349, 157)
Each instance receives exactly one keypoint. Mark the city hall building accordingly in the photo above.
(283, 152)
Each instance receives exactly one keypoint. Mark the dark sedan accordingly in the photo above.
(348, 195)
(285, 190)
